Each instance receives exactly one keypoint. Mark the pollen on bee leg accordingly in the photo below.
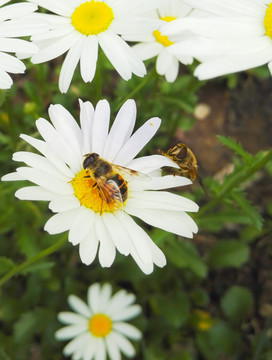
(89, 195)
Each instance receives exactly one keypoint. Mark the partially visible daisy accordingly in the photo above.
(154, 44)
(236, 36)
(100, 327)
(15, 22)
(95, 203)
(80, 26)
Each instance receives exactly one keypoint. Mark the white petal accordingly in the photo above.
(147, 51)
(119, 235)
(39, 162)
(107, 249)
(175, 222)
(89, 349)
(100, 129)
(160, 200)
(68, 332)
(93, 297)
(124, 345)
(88, 58)
(5, 80)
(88, 247)
(137, 141)
(79, 306)
(70, 62)
(120, 300)
(34, 193)
(55, 48)
(86, 123)
(159, 183)
(111, 45)
(112, 348)
(172, 72)
(10, 63)
(66, 125)
(78, 343)
(46, 180)
(127, 313)
(64, 203)
(59, 146)
(67, 317)
(12, 177)
(81, 225)
(121, 130)
(138, 238)
(60, 222)
(100, 350)
(128, 330)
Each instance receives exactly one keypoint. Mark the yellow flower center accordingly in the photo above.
(91, 196)
(99, 325)
(162, 39)
(268, 21)
(92, 17)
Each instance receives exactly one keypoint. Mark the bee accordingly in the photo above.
(109, 179)
(184, 158)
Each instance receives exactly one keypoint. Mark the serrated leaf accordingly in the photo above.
(228, 253)
(215, 221)
(6, 264)
(248, 209)
(236, 147)
(184, 255)
(236, 303)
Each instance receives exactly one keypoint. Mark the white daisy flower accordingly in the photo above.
(15, 21)
(81, 172)
(236, 36)
(155, 44)
(100, 327)
(79, 26)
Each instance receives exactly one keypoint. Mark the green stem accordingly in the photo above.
(137, 88)
(18, 269)
(235, 181)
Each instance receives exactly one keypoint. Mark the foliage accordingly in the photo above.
(201, 305)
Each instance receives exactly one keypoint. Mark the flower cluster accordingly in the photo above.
(232, 37)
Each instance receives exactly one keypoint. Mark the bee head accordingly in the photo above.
(89, 160)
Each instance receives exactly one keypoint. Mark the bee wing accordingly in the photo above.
(130, 174)
(109, 191)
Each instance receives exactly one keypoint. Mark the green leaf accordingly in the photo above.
(228, 253)
(218, 342)
(29, 324)
(175, 314)
(6, 264)
(236, 147)
(236, 303)
(248, 209)
(184, 255)
(215, 221)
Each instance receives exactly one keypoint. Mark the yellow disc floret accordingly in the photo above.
(162, 39)
(88, 194)
(268, 21)
(100, 325)
(92, 17)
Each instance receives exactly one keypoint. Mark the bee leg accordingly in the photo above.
(87, 176)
